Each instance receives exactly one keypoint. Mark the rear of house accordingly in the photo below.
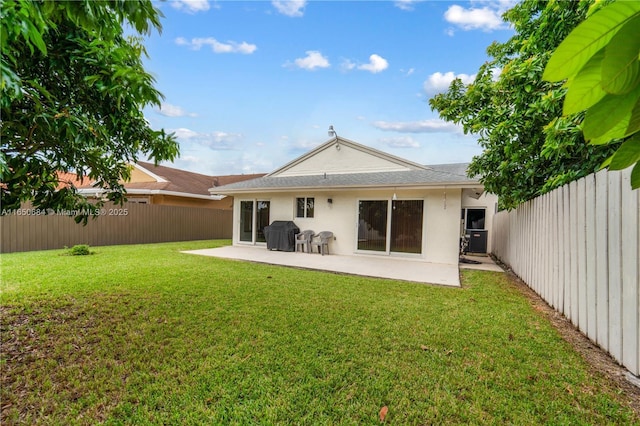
(373, 202)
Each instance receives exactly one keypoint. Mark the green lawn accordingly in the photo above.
(148, 335)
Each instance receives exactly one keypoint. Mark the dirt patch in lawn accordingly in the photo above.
(599, 361)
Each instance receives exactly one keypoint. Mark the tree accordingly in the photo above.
(600, 59)
(529, 148)
(73, 89)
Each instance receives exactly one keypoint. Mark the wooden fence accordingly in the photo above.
(26, 229)
(578, 248)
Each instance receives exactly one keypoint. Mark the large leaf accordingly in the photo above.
(620, 67)
(608, 113)
(585, 89)
(635, 176)
(611, 135)
(627, 155)
(634, 121)
(588, 38)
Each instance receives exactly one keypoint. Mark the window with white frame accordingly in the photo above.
(304, 206)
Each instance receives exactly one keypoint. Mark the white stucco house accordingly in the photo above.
(373, 202)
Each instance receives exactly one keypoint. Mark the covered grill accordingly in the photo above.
(281, 235)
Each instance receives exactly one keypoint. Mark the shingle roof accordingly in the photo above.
(432, 176)
(453, 168)
(66, 179)
(184, 181)
(180, 181)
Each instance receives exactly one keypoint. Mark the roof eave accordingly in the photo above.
(100, 191)
(435, 185)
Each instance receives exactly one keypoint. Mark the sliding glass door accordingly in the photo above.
(406, 226)
(246, 221)
(372, 225)
(390, 227)
(254, 216)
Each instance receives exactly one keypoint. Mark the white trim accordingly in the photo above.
(151, 174)
(99, 191)
(438, 185)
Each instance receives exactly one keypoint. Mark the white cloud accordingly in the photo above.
(190, 6)
(376, 64)
(408, 72)
(292, 8)
(400, 142)
(487, 18)
(423, 126)
(347, 65)
(406, 5)
(439, 82)
(216, 46)
(303, 144)
(183, 133)
(217, 140)
(313, 60)
(169, 110)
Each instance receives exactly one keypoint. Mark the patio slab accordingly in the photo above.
(404, 269)
(486, 264)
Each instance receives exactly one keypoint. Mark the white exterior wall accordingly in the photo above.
(440, 237)
(443, 226)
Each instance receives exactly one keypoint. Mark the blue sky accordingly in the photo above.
(250, 86)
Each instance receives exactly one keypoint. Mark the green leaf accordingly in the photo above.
(634, 121)
(585, 89)
(627, 155)
(588, 38)
(609, 112)
(606, 163)
(610, 136)
(635, 176)
(620, 67)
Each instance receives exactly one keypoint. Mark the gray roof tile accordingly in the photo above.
(434, 175)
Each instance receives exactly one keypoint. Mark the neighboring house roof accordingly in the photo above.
(170, 181)
(66, 179)
(395, 172)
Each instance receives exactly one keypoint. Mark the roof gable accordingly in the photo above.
(343, 156)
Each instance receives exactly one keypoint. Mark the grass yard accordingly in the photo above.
(148, 335)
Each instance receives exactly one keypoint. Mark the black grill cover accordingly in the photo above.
(281, 235)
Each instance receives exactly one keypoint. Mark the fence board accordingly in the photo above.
(582, 258)
(573, 296)
(615, 279)
(602, 264)
(630, 276)
(561, 250)
(143, 223)
(590, 255)
(579, 248)
(567, 253)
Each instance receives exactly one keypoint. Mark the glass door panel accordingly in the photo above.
(372, 225)
(406, 226)
(246, 221)
(262, 219)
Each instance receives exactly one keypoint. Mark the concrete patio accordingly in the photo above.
(396, 268)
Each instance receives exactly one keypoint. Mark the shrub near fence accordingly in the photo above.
(28, 229)
(578, 248)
